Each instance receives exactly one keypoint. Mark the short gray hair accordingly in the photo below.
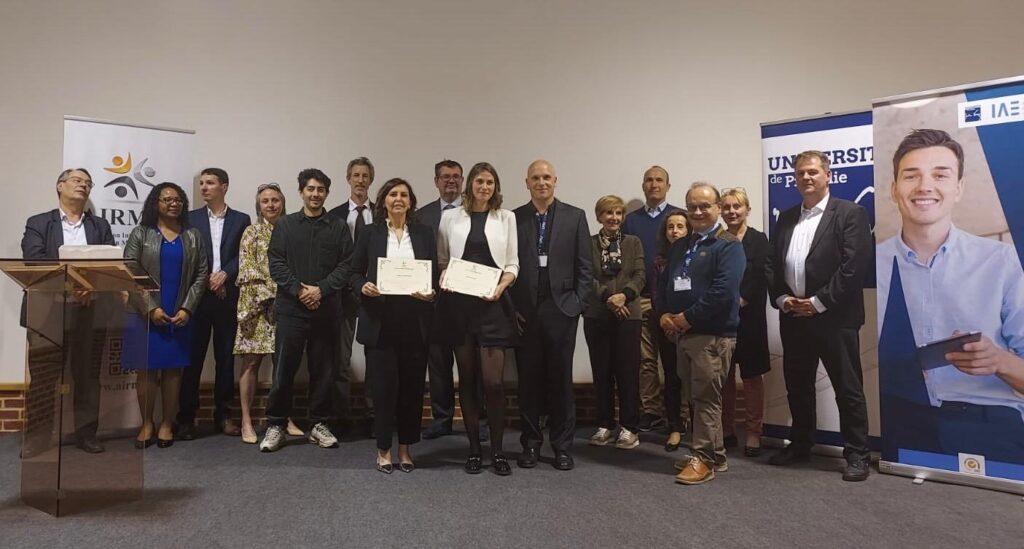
(706, 185)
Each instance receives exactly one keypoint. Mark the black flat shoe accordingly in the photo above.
(528, 459)
(385, 468)
(161, 443)
(406, 467)
(501, 466)
(752, 451)
(143, 444)
(474, 465)
(186, 431)
(563, 461)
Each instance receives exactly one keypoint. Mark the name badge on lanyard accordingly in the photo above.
(543, 260)
(682, 284)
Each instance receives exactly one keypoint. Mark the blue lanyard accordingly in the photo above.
(690, 253)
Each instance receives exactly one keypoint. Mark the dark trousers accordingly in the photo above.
(677, 412)
(615, 361)
(341, 369)
(805, 341)
(440, 366)
(544, 361)
(396, 371)
(219, 317)
(318, 337)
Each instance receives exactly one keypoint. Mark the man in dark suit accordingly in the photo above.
(45, 233)
(221, 229)
(554, 279)
(356, 213)
(822, 253)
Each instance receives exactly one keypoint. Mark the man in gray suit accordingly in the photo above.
(441, 358)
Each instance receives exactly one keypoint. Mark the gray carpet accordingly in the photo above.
(217, 492)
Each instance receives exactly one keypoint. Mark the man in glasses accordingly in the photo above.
(221, 228)
(72, 224)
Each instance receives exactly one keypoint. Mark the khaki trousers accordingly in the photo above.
(703, 363)
(651, 382)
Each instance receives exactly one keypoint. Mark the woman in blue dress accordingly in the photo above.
(172, 253)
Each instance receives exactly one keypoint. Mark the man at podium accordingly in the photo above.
(70, 223)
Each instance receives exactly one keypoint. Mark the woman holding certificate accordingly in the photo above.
(393, 265)
(477, 251)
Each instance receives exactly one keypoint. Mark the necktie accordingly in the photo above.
(360, 220)
(447, 207)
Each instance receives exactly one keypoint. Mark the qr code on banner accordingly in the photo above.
(115, 348)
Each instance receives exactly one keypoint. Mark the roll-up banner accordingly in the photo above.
(846, 139)
(949, 241)
(126, 161)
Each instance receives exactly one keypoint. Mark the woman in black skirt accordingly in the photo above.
(481, 329)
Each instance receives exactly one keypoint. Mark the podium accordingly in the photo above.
(82, 323)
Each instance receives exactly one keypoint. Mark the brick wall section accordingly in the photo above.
(12, 406)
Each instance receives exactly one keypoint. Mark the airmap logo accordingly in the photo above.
(128, 180)
(972, 464)
(986, 112)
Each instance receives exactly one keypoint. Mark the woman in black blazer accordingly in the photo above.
(752, 336)
(393, 328)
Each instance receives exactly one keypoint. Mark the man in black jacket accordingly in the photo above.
(822, 253)
(308, 254)
(45, 233)
(554, 280)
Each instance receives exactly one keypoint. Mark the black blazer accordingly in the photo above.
(341, 212)
(752, 336)
(44, 235)
(569, 259)
(430, 215)
(837, 263)
(235, 223)
(373, 244)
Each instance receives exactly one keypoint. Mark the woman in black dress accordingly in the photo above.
(675, 226)
(480, 328)
(752, 337)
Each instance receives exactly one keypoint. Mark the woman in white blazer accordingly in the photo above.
(480, 329)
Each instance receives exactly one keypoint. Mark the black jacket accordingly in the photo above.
(44, 235)
(313, 251)
(570, 268)
(837, 263)
(373, 244)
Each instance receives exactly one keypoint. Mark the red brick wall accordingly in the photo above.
(12, 410)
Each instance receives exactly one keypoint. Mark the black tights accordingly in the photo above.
(489, 363)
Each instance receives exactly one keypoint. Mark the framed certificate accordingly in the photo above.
(403, 276)
(466, 277)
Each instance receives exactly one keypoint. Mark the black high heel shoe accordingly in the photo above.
(474, 464)
(143, 444)
(161, 443)
(501, 466)
(406, 467)
(386, 467)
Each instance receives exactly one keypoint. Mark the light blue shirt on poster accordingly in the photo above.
(971, 284)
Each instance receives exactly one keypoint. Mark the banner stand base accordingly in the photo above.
(940, 475)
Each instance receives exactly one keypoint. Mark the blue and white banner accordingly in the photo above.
(847, 141)
(949, 241)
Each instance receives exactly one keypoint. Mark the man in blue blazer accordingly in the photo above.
(45, 233)
(221, 229)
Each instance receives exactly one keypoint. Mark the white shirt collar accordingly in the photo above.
(455, 203)
(352, 205)
(213, 215)
(820, 206)
(64, 218)
(657, 209)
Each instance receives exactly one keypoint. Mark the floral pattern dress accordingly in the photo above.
(256, 293)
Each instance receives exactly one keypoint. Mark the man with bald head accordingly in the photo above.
(644, 223)
(554, 278)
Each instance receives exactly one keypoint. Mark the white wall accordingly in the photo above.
(602, 89)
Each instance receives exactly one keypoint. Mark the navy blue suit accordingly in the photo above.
(215, 315)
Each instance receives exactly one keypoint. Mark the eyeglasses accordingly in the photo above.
(170, 200)
(77, 180)
(700, 207)
(450, 178)
(266, 186)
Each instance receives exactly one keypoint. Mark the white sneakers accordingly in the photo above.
(320, 435)
(625, 441)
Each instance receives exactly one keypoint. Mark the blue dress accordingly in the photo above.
(169, 345)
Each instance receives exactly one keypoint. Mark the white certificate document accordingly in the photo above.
(403, 276)
(466, 277)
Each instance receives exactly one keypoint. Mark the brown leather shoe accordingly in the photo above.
(695, 472)
(230, 428)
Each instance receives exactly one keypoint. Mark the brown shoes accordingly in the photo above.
(695, 472)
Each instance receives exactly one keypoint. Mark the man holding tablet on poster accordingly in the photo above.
(962, 285)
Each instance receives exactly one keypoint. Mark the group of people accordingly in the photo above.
(673, 302)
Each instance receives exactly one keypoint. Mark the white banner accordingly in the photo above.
(126, 162)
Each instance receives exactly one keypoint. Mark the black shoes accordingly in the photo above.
(752, 451)
(528, 459)
(650, 422)
(143, 444)
(730, 441)
(89, 444)
(563, 461)
(436, 431)
(501, 466)
(857, 470)
(406, 467)
(474, 464)
(789, 456)
(187, 431)
(161, 443)
(385, 468)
